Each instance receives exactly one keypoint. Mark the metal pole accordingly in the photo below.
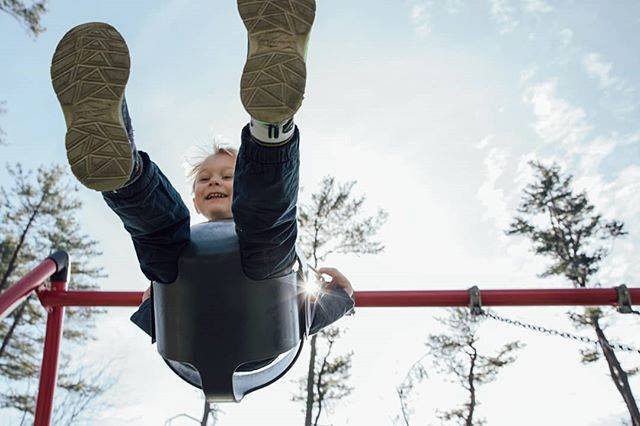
(90, 298)
(14, 295)
(430, 298)
(524, 297)
(53, 336)
(49, 371)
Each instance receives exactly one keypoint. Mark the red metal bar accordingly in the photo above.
(49, 370)
(11, 297)
(90, 298)
(524, 297)
(433, 298)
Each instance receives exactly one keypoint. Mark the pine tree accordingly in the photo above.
(27, 15)
(455, 353)
(563, 226)
(36, 219)
(332, 223)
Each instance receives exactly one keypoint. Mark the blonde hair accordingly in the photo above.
(193, 164)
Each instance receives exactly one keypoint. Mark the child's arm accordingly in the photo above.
(337, 279)
(146, 294)
(335, 301)
(143, 317)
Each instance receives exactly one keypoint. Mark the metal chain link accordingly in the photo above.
(566, 335)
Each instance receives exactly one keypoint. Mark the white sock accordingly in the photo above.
(272, 133)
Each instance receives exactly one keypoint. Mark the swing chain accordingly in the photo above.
(564, 334)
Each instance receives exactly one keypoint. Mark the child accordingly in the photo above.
(254, 190)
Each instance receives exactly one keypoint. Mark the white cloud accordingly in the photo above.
(506, 12)
(421, 19)
(557, 121)
(600, 70)
(485, 141)
(613, 86)
(528, 74)
(566, 36)
(490, 195)
(503, 12)
(537, 6)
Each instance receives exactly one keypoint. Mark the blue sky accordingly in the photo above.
(435, 107)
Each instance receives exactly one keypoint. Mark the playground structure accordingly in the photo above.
(55, 297)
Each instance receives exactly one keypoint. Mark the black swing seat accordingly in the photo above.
(215, 319)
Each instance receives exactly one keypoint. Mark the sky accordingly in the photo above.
(434, 108)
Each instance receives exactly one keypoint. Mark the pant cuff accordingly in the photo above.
(147, 174)
(265, 154)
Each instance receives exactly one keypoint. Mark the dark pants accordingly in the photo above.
(265, 193)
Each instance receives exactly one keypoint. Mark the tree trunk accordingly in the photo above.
(618, 375)
(14, 256)
(16, 320)
(403, 408)
(310, 380)
(472, 388)
(320, 375)
(205, 413)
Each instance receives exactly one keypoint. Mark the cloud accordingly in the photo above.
(421, 19)
(504, 12)
(527, 74)
(566, 36)
(557, 121)
(537, 6)
(599, 70)
(490, 195)
(613, 86)
(485, 141)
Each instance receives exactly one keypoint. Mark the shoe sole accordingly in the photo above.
(274, 76)
(89, 70)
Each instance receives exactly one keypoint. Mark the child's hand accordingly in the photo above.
(146, 294)
(337, 279)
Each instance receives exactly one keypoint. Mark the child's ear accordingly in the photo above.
(196, 206)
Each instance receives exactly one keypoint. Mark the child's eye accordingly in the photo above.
(227, 177)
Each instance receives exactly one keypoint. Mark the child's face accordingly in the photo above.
(213, 189)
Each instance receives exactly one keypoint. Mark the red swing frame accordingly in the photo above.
(55, 296)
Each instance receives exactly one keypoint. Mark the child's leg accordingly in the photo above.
(271, 89)
(265, 193)
(89, 71)
(152, 212)
(155, 216)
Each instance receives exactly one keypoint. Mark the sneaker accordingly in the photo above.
(89, 70)
(274, 76)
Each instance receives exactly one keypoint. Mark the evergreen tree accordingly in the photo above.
(563, 226)
(416, 374)
(28, 15)
(332, 223)
(36, 219)
(455, 353)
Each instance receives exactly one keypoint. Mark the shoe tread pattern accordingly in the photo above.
(89, 71)
(274, 78)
